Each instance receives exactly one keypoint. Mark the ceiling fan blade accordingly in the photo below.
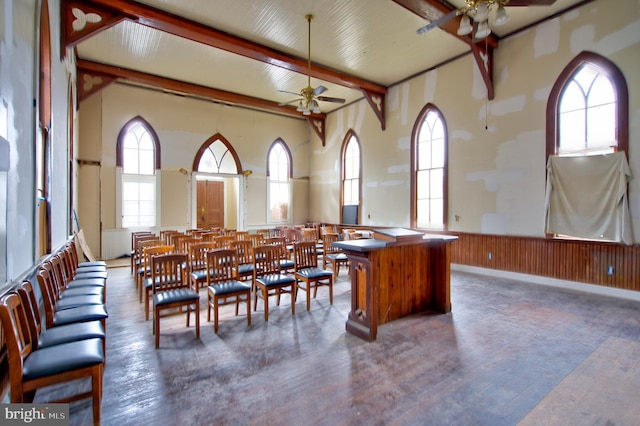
(290, 102)
(531, 2)
(319, 90)
(330, 99)
(433, 24)
(290, 93)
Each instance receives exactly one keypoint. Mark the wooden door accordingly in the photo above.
(210, 204)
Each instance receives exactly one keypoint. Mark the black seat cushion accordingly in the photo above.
(229, 287)
(61, 358)
(87, 282)
(275, 279)
(72, 302)
(71, 333)
(93, 263)
(80, 314)
(286, 263)
(199, 275)
(174, 296)
(338, 256)
(311, 273)
(80, 274)
(82, 291)
(245, 268)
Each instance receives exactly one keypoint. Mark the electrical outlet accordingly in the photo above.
(610, 270)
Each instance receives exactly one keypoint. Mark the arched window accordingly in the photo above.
(138, 156)
(279, 174)
(217, 156)
(587, 112)
(351, 178)
(429, 174)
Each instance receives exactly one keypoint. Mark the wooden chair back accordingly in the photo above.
(308, 234)
(224, 241)
(265, 261)
(241, 235)
(256, 239)
(34, 319)
(328, 248)
(281, 243)
(198, 255)
(244, 251)
(305, 255)
(222, 265)
(169, 272)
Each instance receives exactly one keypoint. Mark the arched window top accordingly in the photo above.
(429, 170)
(351, 156)
(279, 161)
(138, 148)
(587, 111)
(217, 155)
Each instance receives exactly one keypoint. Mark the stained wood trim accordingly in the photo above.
(91, 82)
(571, 260)
(483, 55)
(213, 139)
(154, 138)
(95, 68)
(81, 21)
(286, 150)
(317, 123)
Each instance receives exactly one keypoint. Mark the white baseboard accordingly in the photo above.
(553, 282)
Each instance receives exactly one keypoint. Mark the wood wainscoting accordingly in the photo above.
(572, 260)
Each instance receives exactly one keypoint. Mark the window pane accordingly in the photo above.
(424, 155)
(422, 178)
(572, 131)
(355, 191)
(437, 147)
(146, 162)
(422, 219)
(573, 98)
(437, 185)
(601, 92)
(601, 129)
(437, 209)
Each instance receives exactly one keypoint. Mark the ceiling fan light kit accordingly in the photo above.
(309, 97)
(480, 10)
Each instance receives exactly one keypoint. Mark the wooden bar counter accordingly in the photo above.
(397, 273)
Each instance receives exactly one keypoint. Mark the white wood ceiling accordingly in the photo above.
(375, 40)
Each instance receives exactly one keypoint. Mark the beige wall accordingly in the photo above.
(497, 175)
(183, 125)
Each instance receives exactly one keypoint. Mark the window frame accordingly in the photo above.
(622, 100)
(414, 168)
(349, 137)
(119, 170)
(287, 153)
(205, 147)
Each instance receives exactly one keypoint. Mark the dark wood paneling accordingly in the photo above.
(581, 261)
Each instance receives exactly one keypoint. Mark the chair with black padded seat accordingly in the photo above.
(223, 286)
(147, 286)
(224, 241)
(135, 236)
(79, 313)
(268, 280)
(56, 335)
(284, 253)
(68, 298)
(142, 270)
(307, 271)
(89, 270)
(333, 254)
(31, 369)
(198, 263)
(171, 290)
(75, 287)
(244, 259)
(87, 263)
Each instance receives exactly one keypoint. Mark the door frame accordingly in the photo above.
(240, 216)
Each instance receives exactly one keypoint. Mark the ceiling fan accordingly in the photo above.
(478, 11)
(309, 97)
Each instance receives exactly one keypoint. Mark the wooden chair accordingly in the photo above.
(147, 286)
(72, 314)
(223, 286)
(66, 287)
(224, 241)
(267, 279)
(142, 270)
(244, 259)
(78, 265)
(307, 271)
(31, 369)
(198, 263)
(55, 335)
(333, 255)
(286, 263)
(170, 290)
(137, 237)
(241, 235)
(186, 243)
(256, 239)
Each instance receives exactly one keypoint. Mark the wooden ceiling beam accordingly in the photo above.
(482, 50)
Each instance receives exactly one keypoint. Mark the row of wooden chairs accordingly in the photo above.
(70, 344)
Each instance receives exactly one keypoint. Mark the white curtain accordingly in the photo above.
(586, 197)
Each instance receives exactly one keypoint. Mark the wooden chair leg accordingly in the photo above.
(197, 312)
(215, 315)
(156, 326)
(265, 294)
